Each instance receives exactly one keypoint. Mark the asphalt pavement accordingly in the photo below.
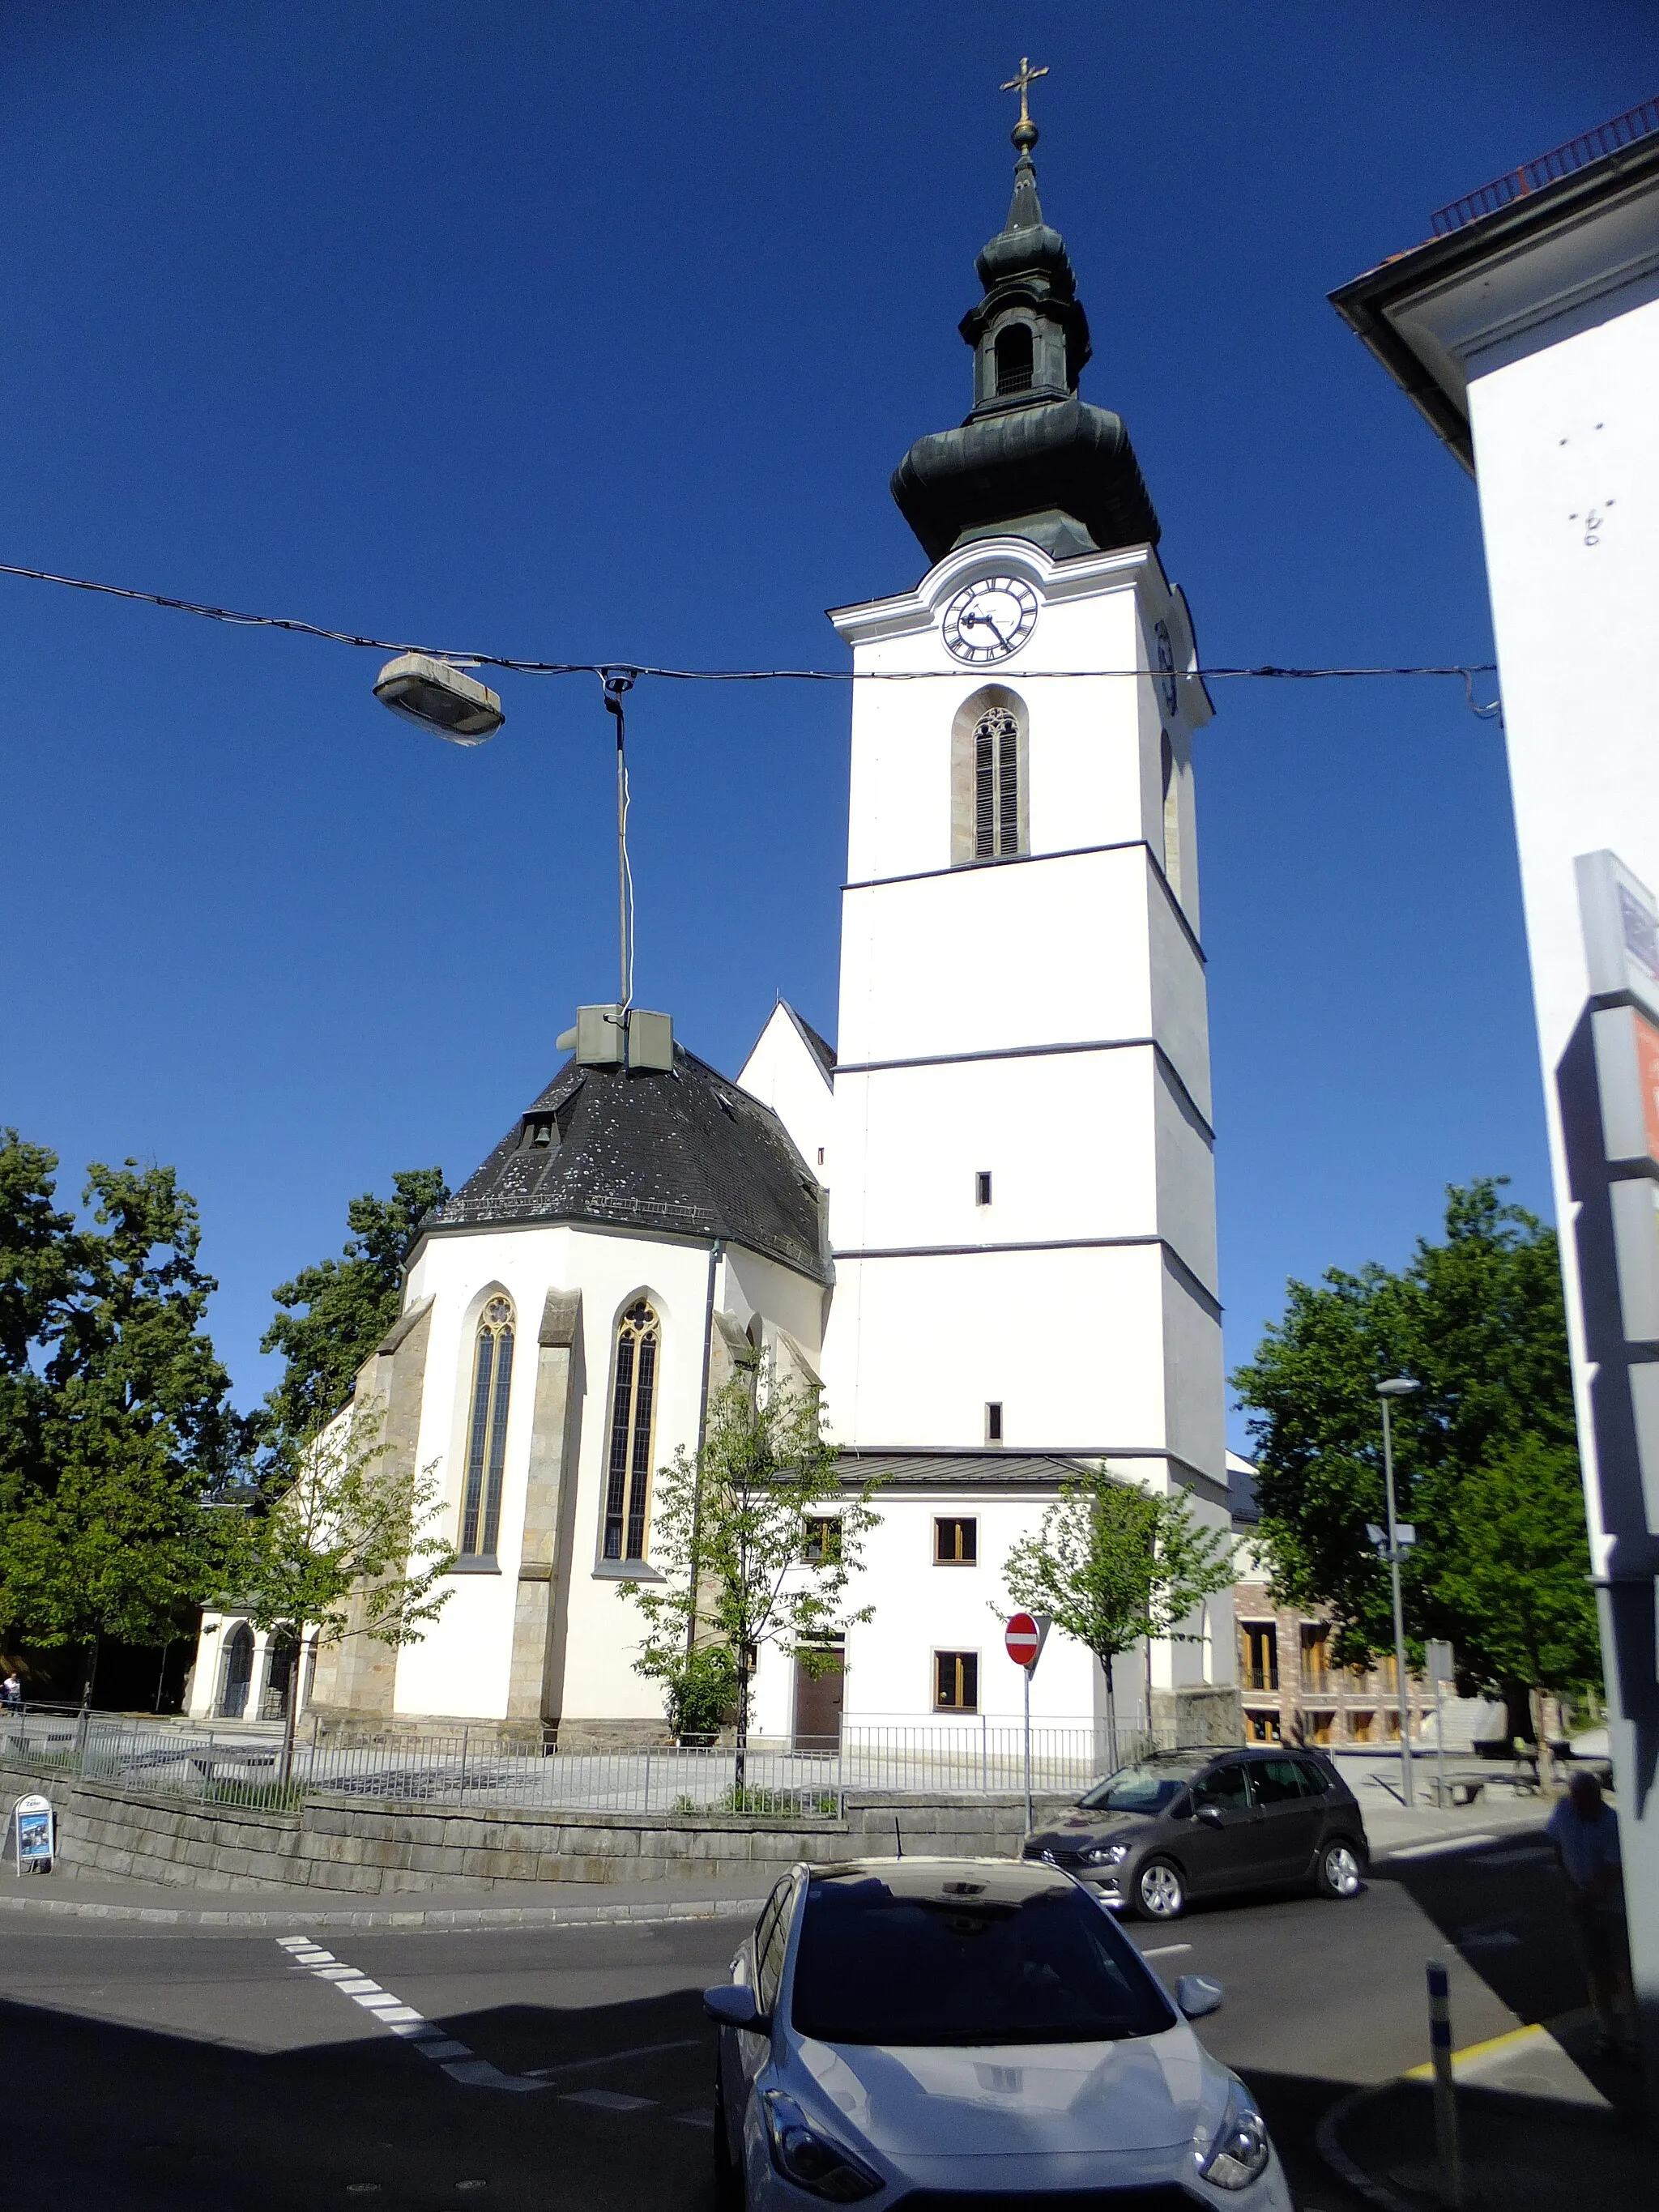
(548, 2067)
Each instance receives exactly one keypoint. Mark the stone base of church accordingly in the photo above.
(1205, 1713)
(344, 1724)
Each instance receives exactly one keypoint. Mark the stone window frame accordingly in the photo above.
(988, 698)
(625, 1503)
(489, 1406)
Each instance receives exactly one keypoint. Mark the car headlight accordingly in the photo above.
(1239, 2148)
(1106, 1854)
(811, 2160)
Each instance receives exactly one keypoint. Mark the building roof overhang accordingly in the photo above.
(1455, 306)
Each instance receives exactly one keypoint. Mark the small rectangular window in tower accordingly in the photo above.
(993, 1421)
(821, 1544)
(956, 1542)
(956, 1681)
(982, 1188)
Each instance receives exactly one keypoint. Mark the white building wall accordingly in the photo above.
(1567, 445)
(461, 1667)
(784, 1073)
(1037, 989)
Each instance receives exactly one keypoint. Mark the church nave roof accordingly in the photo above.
(686, 1153)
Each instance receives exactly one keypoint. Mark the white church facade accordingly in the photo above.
(986, 1220)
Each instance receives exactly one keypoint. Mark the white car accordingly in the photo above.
(966, 2035)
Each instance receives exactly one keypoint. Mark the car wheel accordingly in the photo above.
(1160, 1892)
(1340, 1871)
(729, 2191)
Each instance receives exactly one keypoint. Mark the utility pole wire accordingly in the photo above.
(468, 656)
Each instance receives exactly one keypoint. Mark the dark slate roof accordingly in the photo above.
(959, 1470)
(821, 1049)
(686, 1152)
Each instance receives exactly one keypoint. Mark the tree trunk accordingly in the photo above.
(291, 1714)
(742, 1768)
(1111, 1716)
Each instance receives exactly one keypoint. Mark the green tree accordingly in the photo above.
(1112, 1564)
(737, 1532)
(115, 1422)
(343, 1546)
(1478, 1320)
(335, 1313)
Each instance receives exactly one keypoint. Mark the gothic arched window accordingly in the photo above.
(632, 1404)
(486, 1435)
(1014, 359)
(996, 784)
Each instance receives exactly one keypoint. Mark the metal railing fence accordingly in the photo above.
(202, 1763)
(1626, 130)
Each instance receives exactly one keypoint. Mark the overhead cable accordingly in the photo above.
(469, 657)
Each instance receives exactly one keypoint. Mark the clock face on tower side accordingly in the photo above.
(989, 620)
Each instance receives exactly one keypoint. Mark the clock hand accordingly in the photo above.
(988, 623)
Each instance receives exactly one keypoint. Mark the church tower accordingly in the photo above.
(1021, 1193)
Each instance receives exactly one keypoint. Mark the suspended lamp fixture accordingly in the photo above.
(439, 695)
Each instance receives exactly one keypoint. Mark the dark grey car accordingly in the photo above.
(1185, 1824)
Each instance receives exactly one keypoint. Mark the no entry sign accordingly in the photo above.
(1023, 1639)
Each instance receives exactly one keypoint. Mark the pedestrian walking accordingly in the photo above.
(11, 1691)
(1584, 1830)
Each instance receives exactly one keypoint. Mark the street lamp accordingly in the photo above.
(1399, 1539)
(439, 695)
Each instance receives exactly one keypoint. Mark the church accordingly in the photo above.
(985, 1219)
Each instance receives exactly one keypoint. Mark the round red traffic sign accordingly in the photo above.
(1023, 1640)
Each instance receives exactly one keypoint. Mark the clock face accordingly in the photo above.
(989, 620)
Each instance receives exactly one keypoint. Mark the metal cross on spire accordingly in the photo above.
(1022, 84)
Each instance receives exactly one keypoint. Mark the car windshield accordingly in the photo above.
(885, 1961)
(1137, 1789)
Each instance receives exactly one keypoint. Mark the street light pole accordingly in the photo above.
(1400, 1388)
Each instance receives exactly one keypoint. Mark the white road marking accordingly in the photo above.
(613, 2058)
(1442, 1843)
(1165, 1950)
(458, 2060)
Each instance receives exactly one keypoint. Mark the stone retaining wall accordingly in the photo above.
(387, 1850)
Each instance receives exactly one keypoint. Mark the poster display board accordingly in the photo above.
(34, 1827)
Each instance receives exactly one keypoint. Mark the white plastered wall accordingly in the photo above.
(461, 1668)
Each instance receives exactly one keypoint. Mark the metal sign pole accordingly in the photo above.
(1030, 1822)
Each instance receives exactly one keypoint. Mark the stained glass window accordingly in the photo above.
(628, 1489)
(486, 1449)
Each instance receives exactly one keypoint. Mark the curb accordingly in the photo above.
(1345, 2169)
(452, 1919)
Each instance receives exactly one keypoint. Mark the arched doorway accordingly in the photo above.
(281, 1652)
(239, 1672)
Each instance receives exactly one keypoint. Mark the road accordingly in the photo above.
(570, 2067)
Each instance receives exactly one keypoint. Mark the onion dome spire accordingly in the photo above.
(1031, 460)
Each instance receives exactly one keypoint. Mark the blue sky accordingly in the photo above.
(595, 331)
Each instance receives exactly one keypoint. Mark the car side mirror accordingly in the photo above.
(1210, 1814)
(1197, 1995)
(732, 2005)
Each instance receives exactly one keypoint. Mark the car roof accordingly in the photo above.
(1004, 1881)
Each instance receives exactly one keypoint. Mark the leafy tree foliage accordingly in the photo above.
(115, 1424)
(737, 1533)
(1112, 1564)
(1485, 1455)
(335, 1313)
(345, 1546)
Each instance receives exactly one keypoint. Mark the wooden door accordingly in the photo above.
(817, 1705)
